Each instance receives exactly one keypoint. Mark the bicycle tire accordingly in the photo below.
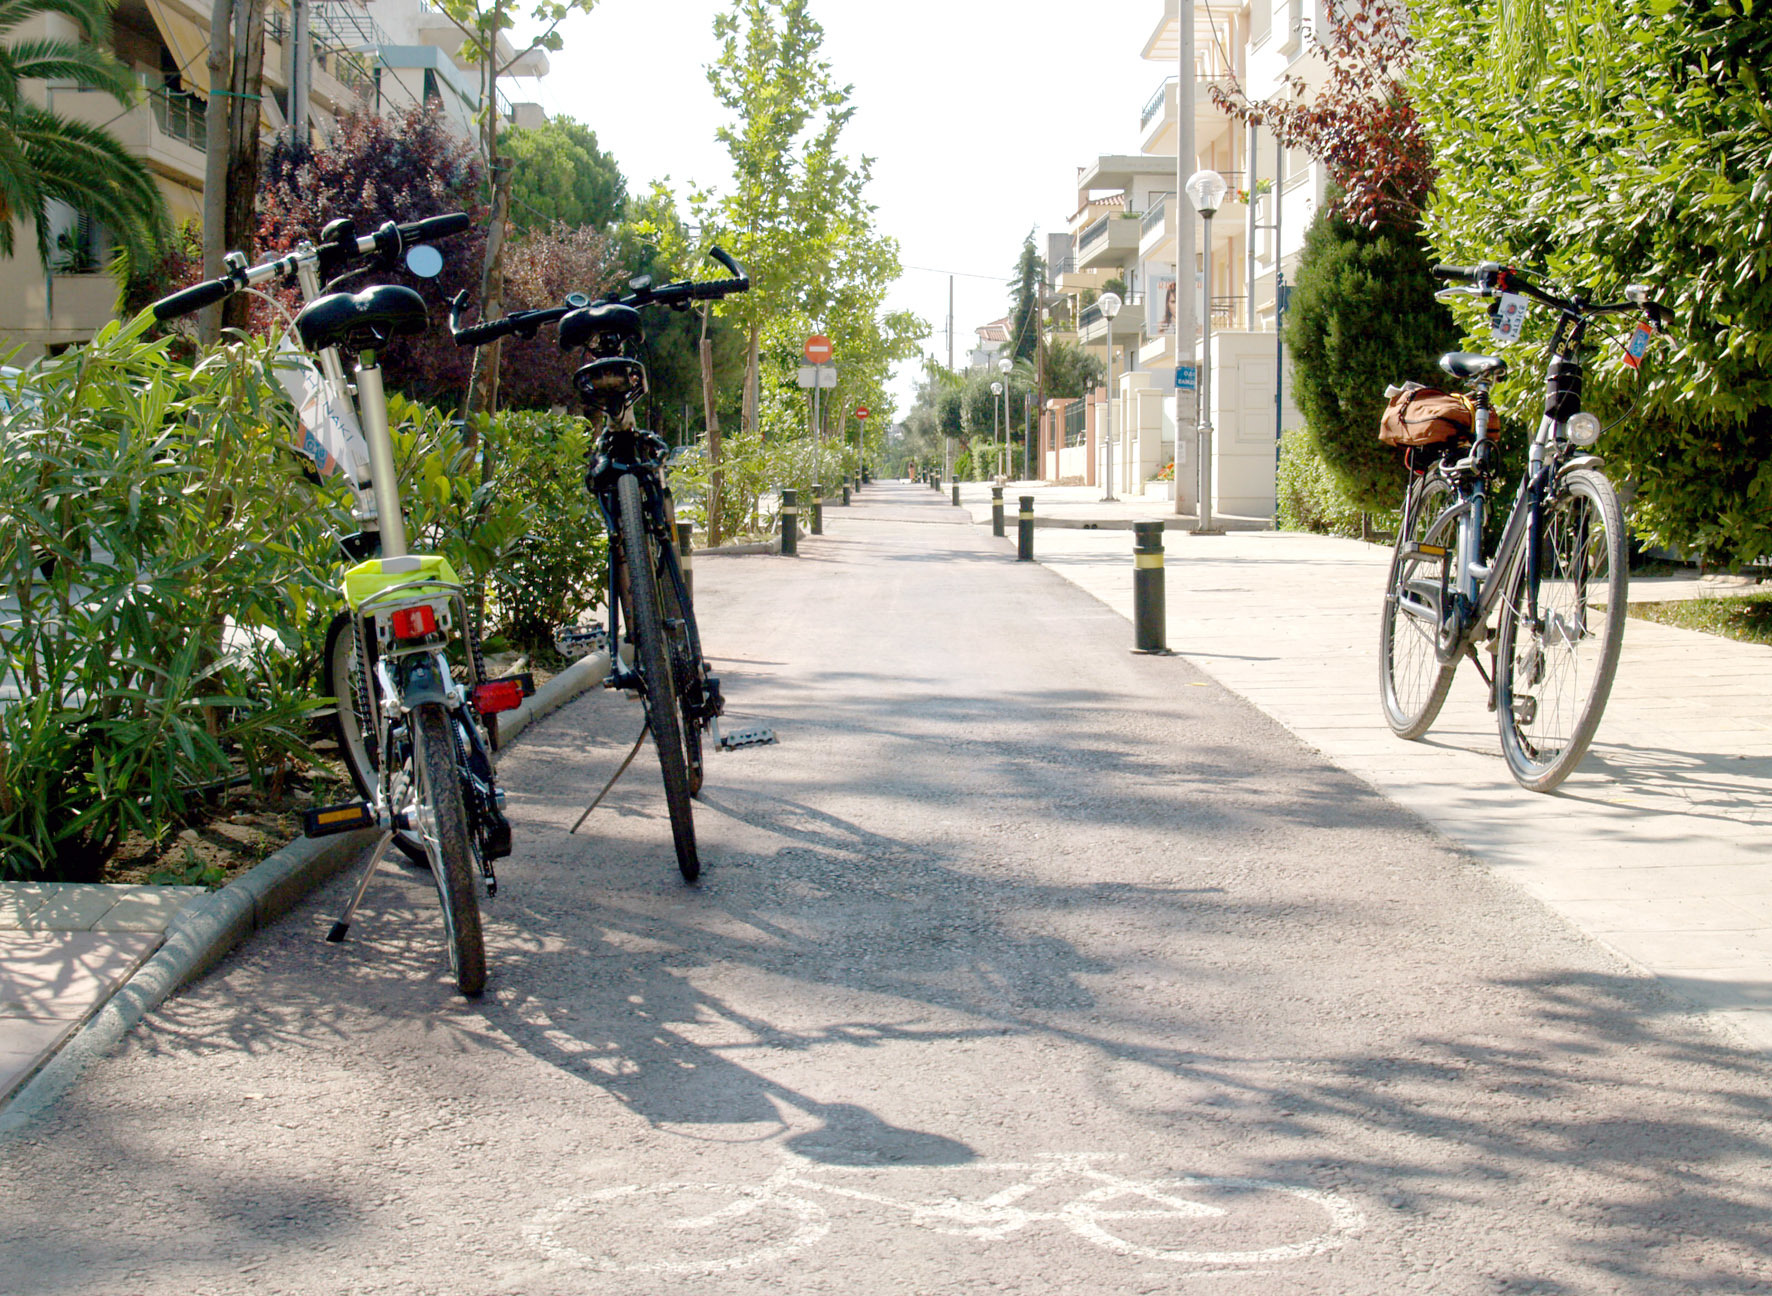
(1413, 682)
(1552, 680)
(686, 659)
(443, 821)
(357, 747)
(653, 658)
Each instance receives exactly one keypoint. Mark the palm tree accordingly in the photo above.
(45, 157)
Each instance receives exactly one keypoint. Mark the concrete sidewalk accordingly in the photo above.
(1660, 845)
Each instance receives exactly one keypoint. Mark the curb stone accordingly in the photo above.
(210, 926)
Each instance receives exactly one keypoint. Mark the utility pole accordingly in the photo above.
(711, 419)
(301, 68)
(1185, 399)
(950, 323)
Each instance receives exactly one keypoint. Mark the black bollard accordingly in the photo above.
(956, 494)
(790, 523)
(817, 509)
(685, 535)
(996, 510)
(1024, 536)
(845, 494)
(1149, 625)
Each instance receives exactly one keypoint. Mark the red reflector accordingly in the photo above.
(499, 695)
(414, 622)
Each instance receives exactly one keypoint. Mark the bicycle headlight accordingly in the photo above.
(1582, 429)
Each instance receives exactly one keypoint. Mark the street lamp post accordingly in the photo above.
(1004, 365)
(1110, 307)
(1206, 190)
(996, 391)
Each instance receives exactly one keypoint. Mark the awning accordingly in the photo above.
(188, 42)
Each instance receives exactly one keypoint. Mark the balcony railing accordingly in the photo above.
(1155, 215)
(1155, 106)
(182, 117)
(1131, 311)
(1076, 423)
(1094, 234)
(1226, 311)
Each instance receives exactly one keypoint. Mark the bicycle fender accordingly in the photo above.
(1595, 462)
(418, 682)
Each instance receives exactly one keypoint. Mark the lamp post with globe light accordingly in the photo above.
(1110, 304)
(1206, 190)
(996, 391)
(1004, 365)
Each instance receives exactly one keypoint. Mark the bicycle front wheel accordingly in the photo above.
(1557, 646)
(443, 825)
(1413, 682)
(686, 659)
(654, 661)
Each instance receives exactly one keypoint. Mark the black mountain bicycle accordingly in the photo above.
(1550, 601)
(626, 476)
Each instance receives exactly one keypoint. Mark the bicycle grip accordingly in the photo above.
(435, 227)
(715, 289)
(481, 334)
(1466, 273)
(194, 298)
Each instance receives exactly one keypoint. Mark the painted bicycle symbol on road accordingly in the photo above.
(687, 1227)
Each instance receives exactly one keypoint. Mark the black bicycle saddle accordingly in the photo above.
(611, 384)
(1469, 365)
(360, 320)
(604, 320)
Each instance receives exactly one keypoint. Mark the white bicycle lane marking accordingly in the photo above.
(648, 1228)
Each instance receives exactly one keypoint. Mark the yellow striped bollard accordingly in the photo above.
(1149, 617)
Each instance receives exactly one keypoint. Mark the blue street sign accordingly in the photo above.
(1187, 377)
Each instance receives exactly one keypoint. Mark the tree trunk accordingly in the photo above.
(711, 420)
(215, 159)
(751, 378)
(245, 85)
(483, 385)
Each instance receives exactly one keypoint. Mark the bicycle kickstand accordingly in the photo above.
(343, 925)
(620, 770)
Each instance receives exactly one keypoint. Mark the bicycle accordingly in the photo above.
(680, 695)
(1556, 583)
(689, 1228)
(386, 659)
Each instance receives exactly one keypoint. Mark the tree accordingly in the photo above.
(797, 215)
(1362, 317)
(47, 158)
(404, 167)
(483, 24)
(1071, 371)
(1641, 159)
(1024, 302)
(560, 177)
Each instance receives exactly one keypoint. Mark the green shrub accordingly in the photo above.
(1313, 498)
(1362, 317)
(1635, 147)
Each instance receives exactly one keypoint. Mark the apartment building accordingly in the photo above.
(387, 55)
(1123, 234)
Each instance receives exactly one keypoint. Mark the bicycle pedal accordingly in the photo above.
(495, 842)
(751, 736)
(328, 821)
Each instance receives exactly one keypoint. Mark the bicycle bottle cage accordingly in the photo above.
(357, 321)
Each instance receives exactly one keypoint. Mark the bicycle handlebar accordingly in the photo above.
(1491, 279)
(524, 324)
(390, 240)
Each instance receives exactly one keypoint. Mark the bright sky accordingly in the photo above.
(979, 113)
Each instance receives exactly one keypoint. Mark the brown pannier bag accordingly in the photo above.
(1421, 416)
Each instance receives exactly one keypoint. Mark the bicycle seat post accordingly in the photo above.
(372, 404)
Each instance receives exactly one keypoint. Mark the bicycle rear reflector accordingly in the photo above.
(414, 622)
(502, 694)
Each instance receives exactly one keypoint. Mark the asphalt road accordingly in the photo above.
(1021, 964)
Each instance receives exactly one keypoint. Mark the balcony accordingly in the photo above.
(1111, 241)
(165, 130)
(1093, 327)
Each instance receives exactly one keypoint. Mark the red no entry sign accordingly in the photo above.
(861, 411)
(818, 349)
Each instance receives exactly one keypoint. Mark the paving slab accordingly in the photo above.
(1653, 845)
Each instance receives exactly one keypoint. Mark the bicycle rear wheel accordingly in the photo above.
(654, 661)
(443, 826)
(1554, 671)
(358, 745)
(1413, 682)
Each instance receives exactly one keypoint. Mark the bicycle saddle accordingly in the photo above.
(359, 320)
(611, 384)
(591, 323)
(1468, 365)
